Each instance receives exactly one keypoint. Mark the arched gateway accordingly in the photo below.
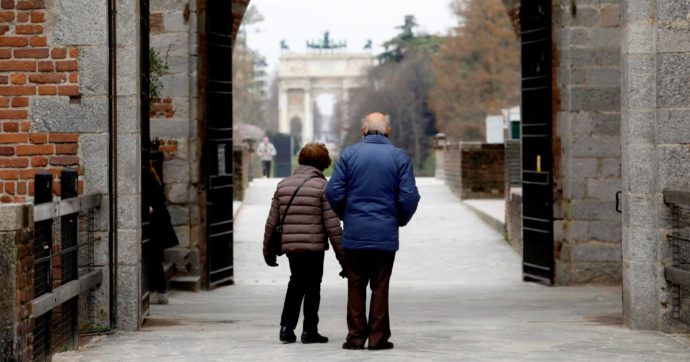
(303, 77)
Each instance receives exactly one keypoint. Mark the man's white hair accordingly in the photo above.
(369, 127)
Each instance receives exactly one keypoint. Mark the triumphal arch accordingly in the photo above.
(302, 77)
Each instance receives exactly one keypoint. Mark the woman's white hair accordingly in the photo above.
(376, 126)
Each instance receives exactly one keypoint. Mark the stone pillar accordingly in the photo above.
(655, 132)
(128, 162)
(16, 283)
(308, 122)
(283, 121)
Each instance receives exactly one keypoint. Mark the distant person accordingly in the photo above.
(266, 152)
(373, 190)
(309, 224)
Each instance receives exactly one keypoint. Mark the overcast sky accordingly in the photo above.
(352, 20)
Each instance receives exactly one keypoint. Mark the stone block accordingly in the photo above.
(176, 85)
(179, 215)
(610, 167)
(169, 128)
(672, 10)
(606, 146)
(635, 11)
(674, 40)
(171, 44)
(640, 169)
(57, 114)
(80, 23)
(167, 5)
(639, 294)
(16, 217)
(641, 245)
(641, 210)
(176, 171)
(128, 110)
(183, 235)
(129, 297)
(594, 210)
(583, 167)
(603, 189)
(102, 300)
(129, 160)
(587, 57)
(586, 17)
(93, 75)
(672, 81)
(638, 38)
(610, 232)
(182, 149)
(639, 82)
(178, 63)
(128, 71)
(576, 230)
(674, 166)
(592, 252)
(673, 126)
(610, 16)
(128, 247)
(127, 23)
(639, 127)
(595, 99)
(603, 77)
(177, 193)
(175, 22)
(93, 155)
(129, 212)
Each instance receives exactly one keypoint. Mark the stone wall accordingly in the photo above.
(586, 144)
(475, 170)
(174, 118)
(16, 284)
(656, 135)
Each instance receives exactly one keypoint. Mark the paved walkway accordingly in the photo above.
(456, 295)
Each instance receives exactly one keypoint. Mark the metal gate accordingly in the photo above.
(537, 158)
(219, 191)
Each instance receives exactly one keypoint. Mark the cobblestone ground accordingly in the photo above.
(456, 295)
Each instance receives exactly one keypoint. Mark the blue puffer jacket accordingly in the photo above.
(373, 191)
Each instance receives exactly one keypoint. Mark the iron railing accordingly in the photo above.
(64, 270)
(678, 274)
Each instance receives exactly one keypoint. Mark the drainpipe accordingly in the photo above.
(112, 161)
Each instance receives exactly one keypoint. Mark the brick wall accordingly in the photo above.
(29, 68)
(587, 146)
(474, 170)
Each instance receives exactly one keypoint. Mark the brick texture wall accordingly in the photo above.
(30, 67)
(24, 296)
(474, 170)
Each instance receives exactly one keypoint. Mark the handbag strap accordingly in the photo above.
(282, 221)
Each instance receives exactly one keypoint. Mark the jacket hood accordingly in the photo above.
(308, 170)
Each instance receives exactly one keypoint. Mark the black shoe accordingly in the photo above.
(287, 335)
(347, 345)
(313, 337)
(384, 345)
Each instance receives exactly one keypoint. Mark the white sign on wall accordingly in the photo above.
(494, 129)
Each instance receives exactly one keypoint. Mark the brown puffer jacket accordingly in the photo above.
(310, 220)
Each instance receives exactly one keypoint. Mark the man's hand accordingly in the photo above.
(271, 260)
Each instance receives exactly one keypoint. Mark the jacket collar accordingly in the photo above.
(375, 139)
(308, 170)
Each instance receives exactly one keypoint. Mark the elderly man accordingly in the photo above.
(373, 191)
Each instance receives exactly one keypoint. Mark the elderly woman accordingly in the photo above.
(307, 226)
